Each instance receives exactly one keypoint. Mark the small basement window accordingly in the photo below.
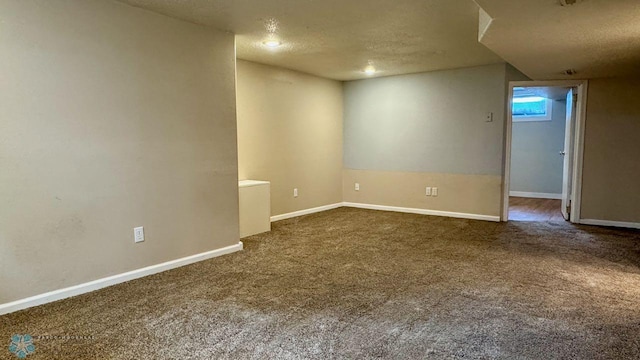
(531, 108)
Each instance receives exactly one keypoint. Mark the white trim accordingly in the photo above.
(113, 280)
(305, 212)
(535, 195)
(547, 83)
(578, 153)
(621, 224)
(578, 156)
(250, 183)
(423, 211)
(386, 208)
(508, 134)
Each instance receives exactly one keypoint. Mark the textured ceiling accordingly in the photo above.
(597, 38)
(337, 39)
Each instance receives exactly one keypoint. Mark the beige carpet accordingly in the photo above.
(362, 284)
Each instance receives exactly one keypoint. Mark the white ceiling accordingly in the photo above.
(597, 38)
(337, 39)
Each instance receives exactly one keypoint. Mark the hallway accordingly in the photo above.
(529, 209)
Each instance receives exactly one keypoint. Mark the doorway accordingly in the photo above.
(543, 155)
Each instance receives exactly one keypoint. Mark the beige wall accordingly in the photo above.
(290, 133)
(611, 176)
(111, 117)
(460, 193)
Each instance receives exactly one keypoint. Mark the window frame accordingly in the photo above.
(533, 118)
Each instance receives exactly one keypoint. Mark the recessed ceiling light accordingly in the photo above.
(272, 43)
(369, 70)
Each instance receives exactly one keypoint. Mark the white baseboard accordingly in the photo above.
(386, 208)
(535, 195)
(113, 280)
(424, 211)
(305, 212)
(621, 224)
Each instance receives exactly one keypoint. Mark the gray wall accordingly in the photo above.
(513, 74)
(536, 165)
(111, 117)
(428, 122)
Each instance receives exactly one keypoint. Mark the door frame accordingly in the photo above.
(581, 87)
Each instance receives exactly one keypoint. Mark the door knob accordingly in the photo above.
(562, 153)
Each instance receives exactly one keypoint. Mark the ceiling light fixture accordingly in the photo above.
(369, 70)
(272, 43)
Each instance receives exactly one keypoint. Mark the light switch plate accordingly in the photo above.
(138, 234)
(489, 117)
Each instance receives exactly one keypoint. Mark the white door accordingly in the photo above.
(567, 174)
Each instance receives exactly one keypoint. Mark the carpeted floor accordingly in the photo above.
(361, 284)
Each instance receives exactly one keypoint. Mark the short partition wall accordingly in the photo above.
(255, 207)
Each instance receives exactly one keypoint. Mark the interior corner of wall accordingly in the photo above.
(484, 23)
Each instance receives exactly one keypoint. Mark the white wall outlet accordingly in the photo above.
(138, 234)
(357, 187)
(488, 117)
(427, 191)
(434, 191)
(295, 192)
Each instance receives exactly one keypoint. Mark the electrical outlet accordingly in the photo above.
(434, 191)
(427, 191)
(138, 234)
(295, 192)
(357, 187)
